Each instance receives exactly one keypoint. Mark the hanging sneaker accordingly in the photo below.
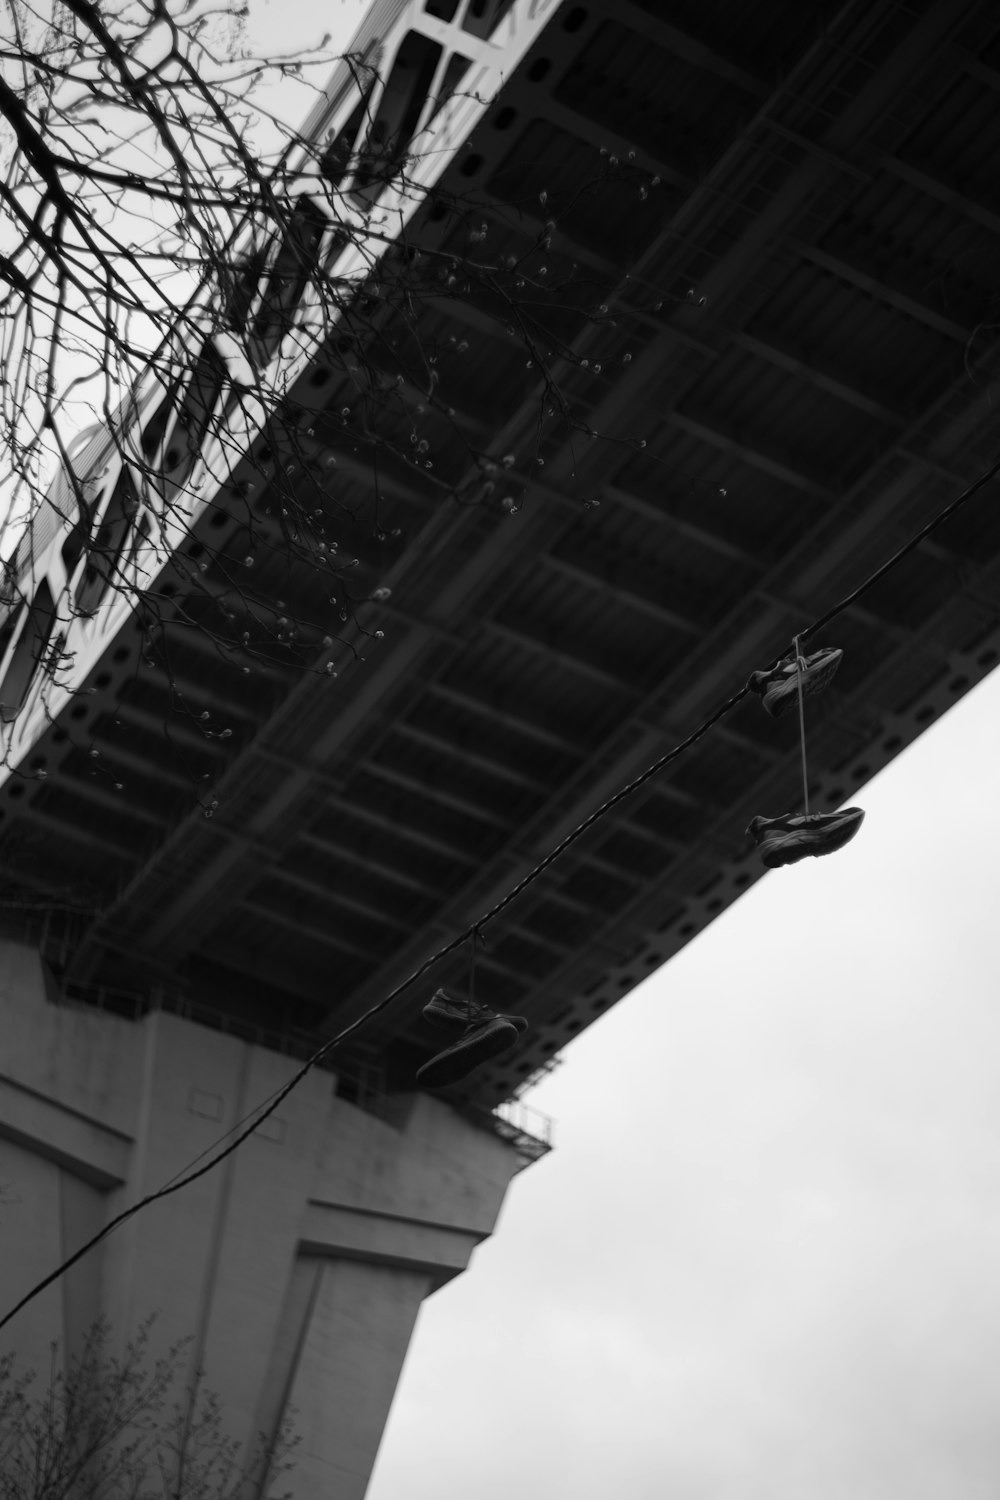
(786, 840)
(452, 1013)
(779, 688)
(481, 1041)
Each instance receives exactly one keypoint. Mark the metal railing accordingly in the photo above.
(528, 1130)
(527, 1121)
(133, 1005)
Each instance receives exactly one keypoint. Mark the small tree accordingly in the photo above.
(173, 252)
(238, 372)
(116, 1428)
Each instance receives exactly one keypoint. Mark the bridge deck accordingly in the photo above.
(832, 197)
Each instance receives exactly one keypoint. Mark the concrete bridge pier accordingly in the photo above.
(296, 1268)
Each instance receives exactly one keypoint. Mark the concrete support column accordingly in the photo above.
(353, 1340)
(296, 1267)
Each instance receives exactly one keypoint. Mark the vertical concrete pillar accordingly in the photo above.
(360, 1320)
(296, 1267)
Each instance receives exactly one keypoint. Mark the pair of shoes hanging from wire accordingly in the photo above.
(481, 1034)
(793, 836)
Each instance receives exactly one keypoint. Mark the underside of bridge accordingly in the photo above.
(790, 215)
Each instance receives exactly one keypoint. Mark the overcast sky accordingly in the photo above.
(764, 1261)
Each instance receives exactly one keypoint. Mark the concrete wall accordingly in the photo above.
(296, 1267)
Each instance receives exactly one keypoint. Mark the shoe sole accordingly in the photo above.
(457, 1062)
(782, 697)
(788, 848)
